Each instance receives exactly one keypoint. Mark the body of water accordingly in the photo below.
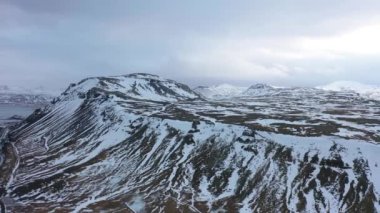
(7, 111)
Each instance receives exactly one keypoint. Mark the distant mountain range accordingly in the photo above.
(224, 91)
(39, 95)
(367, 91)
(24, 96)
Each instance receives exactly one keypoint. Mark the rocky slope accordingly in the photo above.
(139, 143)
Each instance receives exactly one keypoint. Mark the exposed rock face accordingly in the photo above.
(145, 144)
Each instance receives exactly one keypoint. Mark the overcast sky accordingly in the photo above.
(199, 42)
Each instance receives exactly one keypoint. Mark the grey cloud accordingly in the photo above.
(64, 41)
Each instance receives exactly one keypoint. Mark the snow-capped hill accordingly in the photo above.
(220, 91)
(136, 86)
(366, 91)
(260, 86)
(258, 89)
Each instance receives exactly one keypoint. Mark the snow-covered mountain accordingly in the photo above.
(258, 89)
(220, 91)
(366, 91)
(24, 96)
(227, 91)
(140, 143)
(135, 86)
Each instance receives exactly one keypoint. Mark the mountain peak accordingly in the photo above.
(260, 86)
(258, 89)
(143, 76)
